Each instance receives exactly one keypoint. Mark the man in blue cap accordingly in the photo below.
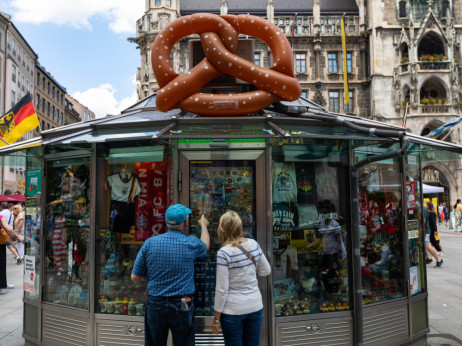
(166, 262)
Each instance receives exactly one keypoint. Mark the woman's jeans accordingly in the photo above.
(163, 314)
(242, 330)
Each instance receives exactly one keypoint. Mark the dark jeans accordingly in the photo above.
(163, 314)
(242, 330)
(3, 281)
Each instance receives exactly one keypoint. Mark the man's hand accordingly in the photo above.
(205, 237)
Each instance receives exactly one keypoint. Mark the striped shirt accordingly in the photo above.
(236, 291)
(167, 262)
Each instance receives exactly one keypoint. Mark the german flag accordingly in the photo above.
(18, 120)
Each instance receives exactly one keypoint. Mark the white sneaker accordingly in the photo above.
(8, 285)
(2, 292)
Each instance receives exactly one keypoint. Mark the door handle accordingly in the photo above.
(132, 330)
(315, 328)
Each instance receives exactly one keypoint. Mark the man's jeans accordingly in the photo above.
(242, 330)
(163, 314)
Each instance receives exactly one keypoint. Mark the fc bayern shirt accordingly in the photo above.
(167, 262)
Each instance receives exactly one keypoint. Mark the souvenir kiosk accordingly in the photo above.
(334, 201)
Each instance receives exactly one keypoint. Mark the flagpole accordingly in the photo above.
(4, 141)
(346, 92)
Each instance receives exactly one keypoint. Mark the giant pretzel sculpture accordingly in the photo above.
(219, 37)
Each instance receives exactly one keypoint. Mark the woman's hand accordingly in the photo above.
(7, 227)
(215, 327)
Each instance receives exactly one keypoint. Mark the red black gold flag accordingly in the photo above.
(18, 120)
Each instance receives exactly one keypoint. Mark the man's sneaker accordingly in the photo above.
(9, 286)
(428, 260)
(438, 264)
(2, 292)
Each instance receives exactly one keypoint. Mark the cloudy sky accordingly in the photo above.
(83, 44)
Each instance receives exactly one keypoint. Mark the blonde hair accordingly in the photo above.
(230, 228)
(19, 206)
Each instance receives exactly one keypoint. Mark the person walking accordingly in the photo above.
(238, 302)
(166, 263)
(428, 246)
(7, 212)
(19, 227)
(446, 214)
(433, 228)
(3, 281)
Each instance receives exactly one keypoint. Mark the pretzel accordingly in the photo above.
(219, 37)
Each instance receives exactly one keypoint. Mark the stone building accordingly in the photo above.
(49, 100)
(17, 66)
(70, 113)
(402, 58)
(84, 112)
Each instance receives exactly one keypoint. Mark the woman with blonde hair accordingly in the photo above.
(19, 226)
(238, 301)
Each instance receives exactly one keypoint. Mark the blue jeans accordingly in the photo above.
(242, 330)
(163, 314)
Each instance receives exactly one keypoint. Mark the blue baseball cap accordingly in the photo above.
(176, 214)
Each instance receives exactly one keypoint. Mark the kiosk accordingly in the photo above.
(333, 200)
(335, 208)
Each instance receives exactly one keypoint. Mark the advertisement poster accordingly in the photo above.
(411, 195)
(412, 229)
(414, 280)
(33, 182)
(29, 274)
(29, 236)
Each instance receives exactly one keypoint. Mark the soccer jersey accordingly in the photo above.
(123, 190)
(284, 183)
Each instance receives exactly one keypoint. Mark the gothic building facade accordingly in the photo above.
(403, 58)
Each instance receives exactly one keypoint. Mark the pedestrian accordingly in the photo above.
(458, 214)
(7, 212)
(440, 213)
(166, 263)
(445, 211)
(238, 302)
(433, 228)
(3, 281)
(428, 246)
(19, 227)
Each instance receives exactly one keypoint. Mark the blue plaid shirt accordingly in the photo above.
(167, 262)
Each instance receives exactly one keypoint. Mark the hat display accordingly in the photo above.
(176, 214)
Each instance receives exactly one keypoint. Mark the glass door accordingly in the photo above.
(211, 184)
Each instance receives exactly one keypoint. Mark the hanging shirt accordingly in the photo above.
(123, 190)
(284, 183)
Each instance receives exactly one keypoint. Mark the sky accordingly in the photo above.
(83, 45)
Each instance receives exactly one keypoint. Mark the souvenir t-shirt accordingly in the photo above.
(284, 182)
(123, 190)
(285, 261)
(307, 215)
(305, 184)
(284, 217)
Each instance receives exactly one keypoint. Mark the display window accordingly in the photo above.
(32, 232)
(310, 226)
(380, 226)
(134, 191)
(414, 225)
(67, 232)
(214, 187)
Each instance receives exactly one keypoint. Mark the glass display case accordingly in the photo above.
(380, 229)
(133, 199)
(67, 225)
(310, 233)
(215, 187)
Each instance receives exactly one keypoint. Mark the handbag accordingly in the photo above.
(437, 236)
(4, 236)
(247, 254)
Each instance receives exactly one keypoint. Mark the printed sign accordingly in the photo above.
(29, 236)
(33, 182)
(29, 274)
(414, 280)
(412, 229)
(411, 195)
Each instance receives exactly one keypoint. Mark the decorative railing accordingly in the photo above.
(433, 65)
(434, 109)
(305, 25)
